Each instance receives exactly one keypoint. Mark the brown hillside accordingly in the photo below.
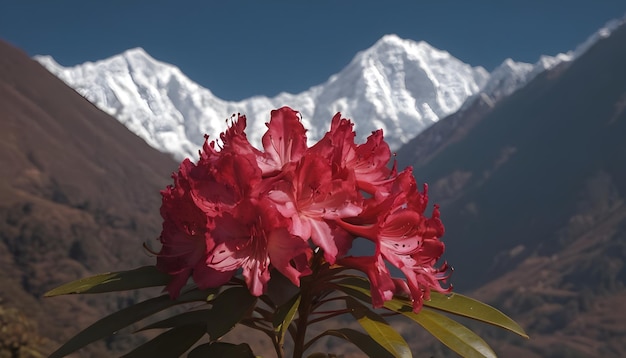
(79, 194)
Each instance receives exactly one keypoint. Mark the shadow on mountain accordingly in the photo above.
(532, 191)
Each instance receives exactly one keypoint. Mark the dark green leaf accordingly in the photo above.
(365, 343)
(284, 316)
(230, 307)
(172, 343)
(183, 319)
(221, 349)
(355, 280)
(125, 317)
(453, 334)
(146, 276)
(378, 329)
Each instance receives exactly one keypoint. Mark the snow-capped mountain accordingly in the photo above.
(399, 85)
(511, 75)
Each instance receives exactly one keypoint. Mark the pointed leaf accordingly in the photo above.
(221, 349)
(357, 292)
(365, 343)
(468, 307)
(284, 316)
(378, 329)
(183, 319)
(455, 303)
(146, 276)
(453, 334)
(172, 343)
(230, 307)
(355, 280)
(125, 317)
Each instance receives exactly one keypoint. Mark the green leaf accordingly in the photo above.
(357, 292)
(221, 349)
(172, 343)
(453, 334)
(455, 303)
(284, 316)
(468, 307)
(183, 319)
(146, 276)
(365, 343)
(230, 307)
(125, 317)
(378, 329)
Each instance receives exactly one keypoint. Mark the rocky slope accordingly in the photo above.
(79, 194)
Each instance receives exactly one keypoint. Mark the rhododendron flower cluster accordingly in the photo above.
(240, 209)
(245, 224)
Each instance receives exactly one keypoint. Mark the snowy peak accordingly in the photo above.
(399, 85)
(506, 78)
(139, 54)
(602, 33)
(433, 71)
(511, 75)
(137, 60)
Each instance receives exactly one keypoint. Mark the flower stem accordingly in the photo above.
(303, 317)
(307, 292)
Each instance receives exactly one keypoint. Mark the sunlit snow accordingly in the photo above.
(399, 85)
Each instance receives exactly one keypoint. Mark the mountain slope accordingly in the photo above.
(79, 194)
(398, 85)
(511, 75)
(533, 195)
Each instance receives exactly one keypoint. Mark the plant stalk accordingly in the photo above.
(303, 318)
(306, 304)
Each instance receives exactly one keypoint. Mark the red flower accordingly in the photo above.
(239, 208)
(404, 236)
(382, 286)
(312, 198)
(253, 237)
(216, 221)
(284, 142)
(185, 228)
(368, 161)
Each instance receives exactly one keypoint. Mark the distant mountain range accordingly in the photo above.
(530, 172)
(399, 85)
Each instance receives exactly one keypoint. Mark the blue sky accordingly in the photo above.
(241, 48)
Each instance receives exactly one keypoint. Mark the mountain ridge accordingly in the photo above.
(172, 113)
(532, 192)
(399, 85)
